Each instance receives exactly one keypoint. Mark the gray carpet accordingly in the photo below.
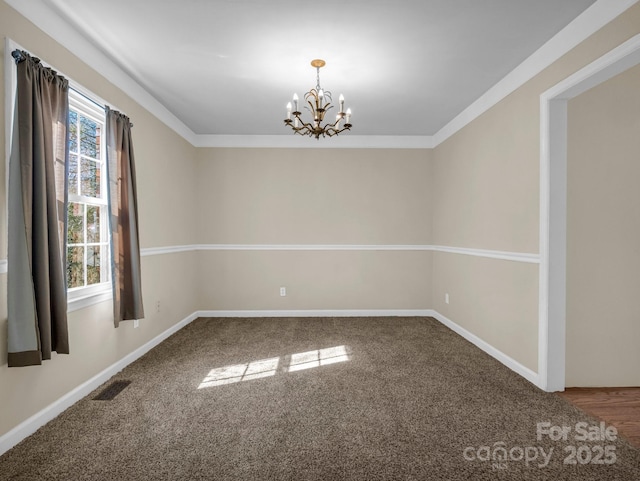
(332, 399)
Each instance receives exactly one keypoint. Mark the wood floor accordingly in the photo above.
(619, 407)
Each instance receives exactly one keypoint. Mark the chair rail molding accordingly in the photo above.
(492, 254)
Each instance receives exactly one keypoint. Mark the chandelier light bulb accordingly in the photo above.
(318, 102)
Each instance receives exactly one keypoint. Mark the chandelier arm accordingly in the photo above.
(337, 131)
(291, 124)
(305, 126)
(310, 130)
(337, 120)
(332, 130)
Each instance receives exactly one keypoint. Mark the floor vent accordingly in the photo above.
(111, 391)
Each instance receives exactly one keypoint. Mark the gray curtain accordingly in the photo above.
(123, 209)
(36, 281)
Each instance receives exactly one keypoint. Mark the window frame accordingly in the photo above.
(77, 298)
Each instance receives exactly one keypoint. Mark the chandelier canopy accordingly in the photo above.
(319, 101)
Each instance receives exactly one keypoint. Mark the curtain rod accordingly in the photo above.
(20, 56)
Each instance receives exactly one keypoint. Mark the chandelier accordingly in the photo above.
(319, 104)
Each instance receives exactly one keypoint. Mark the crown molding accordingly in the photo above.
(47, 19)
(590, 21)
(300, 142)
(583, 26)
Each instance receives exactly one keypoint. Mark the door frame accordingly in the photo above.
(553, 205)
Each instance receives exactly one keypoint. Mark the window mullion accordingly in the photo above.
(83, 199)
(84, 242)
(77, 152)
(105, 254)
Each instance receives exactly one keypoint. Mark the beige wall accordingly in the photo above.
(486, 196)
(315, 196)
(486, 180)
(486, 186)
(494, 299)
(166, 187)
(325, 280)
(603, 234)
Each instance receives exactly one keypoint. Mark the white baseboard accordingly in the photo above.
(31, 425)
(35, 422)
(511, 363)
(320, 313)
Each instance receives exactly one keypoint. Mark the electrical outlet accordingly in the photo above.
(446, 298)
(157, 306)
(136, 323)
(283, 291)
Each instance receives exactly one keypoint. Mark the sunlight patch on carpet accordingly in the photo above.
(268, 367)
(317, 358)
(240, 372)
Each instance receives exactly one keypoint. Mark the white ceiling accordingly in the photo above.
(406, 67)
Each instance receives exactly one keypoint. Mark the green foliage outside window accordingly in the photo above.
(84, 229)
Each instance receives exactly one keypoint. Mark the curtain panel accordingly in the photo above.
(123, 209)
(36, 280)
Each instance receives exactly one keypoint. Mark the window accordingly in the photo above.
(88, 252)
(87, 222)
